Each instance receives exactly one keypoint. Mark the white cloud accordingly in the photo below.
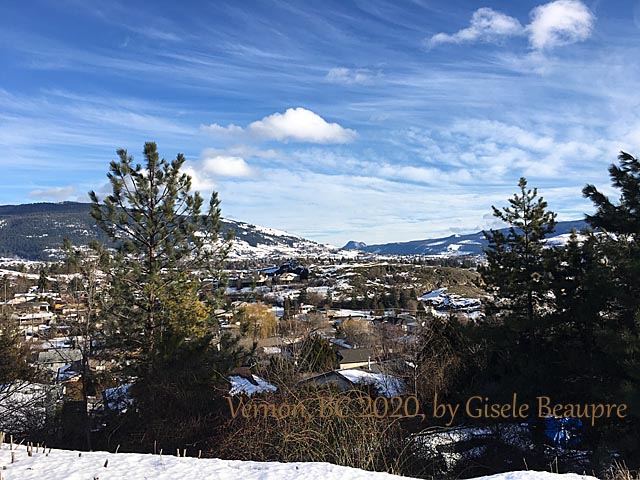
(425, 175)
(349, 76)
(486, 25)
(229, 129)
(501, 133)
(295, 124)
(560, 23)
(553, 24)
(217, 167)
(55, 193)
(302, 125)
(227, 166)
(200, 181)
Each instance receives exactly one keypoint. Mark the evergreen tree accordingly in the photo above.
(619, 240)
(621, 224)
(43, 281)
(515, 269)
(159, 308)
(161, 233)
(303, 296)
(317, 355)
(14, 353)
(287, 309)
(329, 298)
(515, 276)
(582, 287)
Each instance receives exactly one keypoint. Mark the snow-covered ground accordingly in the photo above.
(439, 299)
(73, 465)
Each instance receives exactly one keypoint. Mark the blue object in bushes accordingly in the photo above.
(563, 432)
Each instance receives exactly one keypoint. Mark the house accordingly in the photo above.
(270, 346)
(386, 385)
(354, 358)
(290, 266)
(54, 360)
(244, 280)
(344, 314)
(305, 309)
(287, 278)
(223, 315)
(333, 378)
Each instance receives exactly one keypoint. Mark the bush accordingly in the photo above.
(311, 431)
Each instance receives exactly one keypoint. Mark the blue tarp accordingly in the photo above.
(563, 432)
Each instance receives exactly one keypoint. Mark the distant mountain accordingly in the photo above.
(35, 232)
(454, 245)
(355, 246)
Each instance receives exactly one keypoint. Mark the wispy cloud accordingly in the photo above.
(54, 193)
(350, 76)
(295, 124)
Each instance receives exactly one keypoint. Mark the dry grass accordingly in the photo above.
(348, 439)
(619, 471)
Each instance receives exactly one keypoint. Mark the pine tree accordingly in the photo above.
(582, 287)
(287, 309)
(14, 353)
(515, 276)
(317, 355)
(303, 296)
(623, 218)
(515, 261)
(621, 224)
(43, 281)
(620, 254)
(160, 302)
(161, 232)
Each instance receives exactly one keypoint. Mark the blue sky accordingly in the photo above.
(337, 120)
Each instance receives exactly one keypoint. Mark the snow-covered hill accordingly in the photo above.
(455, 245)
(35, 232)
(73, 465)
(254, 241)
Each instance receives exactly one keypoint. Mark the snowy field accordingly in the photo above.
(71, 465)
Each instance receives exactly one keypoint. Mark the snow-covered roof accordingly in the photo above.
(242, 385)
(118, 398)
(387, 385)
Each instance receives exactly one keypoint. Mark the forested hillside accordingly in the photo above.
(31, 231)
(36, 231)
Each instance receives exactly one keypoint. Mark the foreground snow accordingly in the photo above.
(72, 465)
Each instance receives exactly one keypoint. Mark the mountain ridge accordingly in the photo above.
(35, 231)
(453, 245)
